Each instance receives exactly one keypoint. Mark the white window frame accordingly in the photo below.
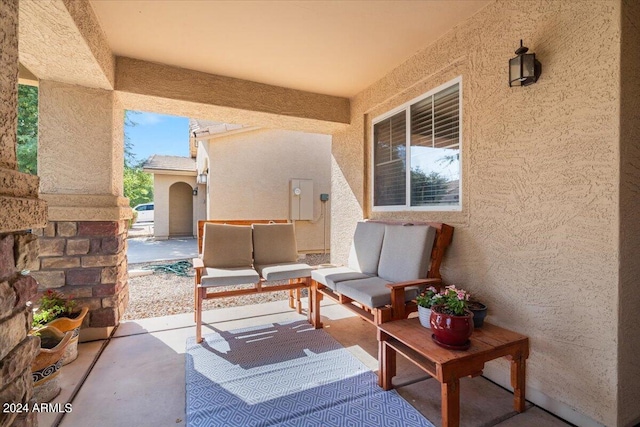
(407, 108)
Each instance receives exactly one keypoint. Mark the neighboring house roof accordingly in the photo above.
(170, 165)
(202, 129)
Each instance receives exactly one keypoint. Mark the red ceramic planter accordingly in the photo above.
(452, 331)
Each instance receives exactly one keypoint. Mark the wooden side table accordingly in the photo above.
(414, 342)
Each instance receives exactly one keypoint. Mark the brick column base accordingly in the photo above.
(87, 260)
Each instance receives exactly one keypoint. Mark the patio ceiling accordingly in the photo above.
(277, 64)
(328, 47)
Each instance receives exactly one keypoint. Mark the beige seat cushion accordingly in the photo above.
(372, 292)
(229, 276)
(284, 271)
(331, 276)
(274, 244)
(227, 246)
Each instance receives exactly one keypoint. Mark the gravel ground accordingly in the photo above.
(163, 294)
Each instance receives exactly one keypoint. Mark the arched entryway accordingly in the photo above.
(180, 210)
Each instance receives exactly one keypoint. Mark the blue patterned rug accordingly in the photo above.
(286, 374)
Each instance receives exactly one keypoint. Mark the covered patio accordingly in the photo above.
(138, 377)
(545, 198)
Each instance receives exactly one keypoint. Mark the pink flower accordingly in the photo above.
(432, 289)
(461, 295)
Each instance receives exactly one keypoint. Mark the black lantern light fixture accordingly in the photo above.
(524, 69)
(195, 191)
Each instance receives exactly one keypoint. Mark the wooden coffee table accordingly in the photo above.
(413, 341)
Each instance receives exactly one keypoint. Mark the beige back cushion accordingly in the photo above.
(227, 246)
(364, 255)
(274, 244)
(406, 252)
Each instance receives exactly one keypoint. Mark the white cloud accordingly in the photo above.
(146, 119)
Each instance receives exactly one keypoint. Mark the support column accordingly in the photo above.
(80, 163)
(20, 209)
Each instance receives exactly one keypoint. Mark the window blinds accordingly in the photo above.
(390, 161)
(429, 145)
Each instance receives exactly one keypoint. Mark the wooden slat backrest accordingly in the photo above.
(201, 224)
(444, 236)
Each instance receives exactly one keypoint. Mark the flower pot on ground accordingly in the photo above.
(451, 321)
(479, 311)
(59, 312)
(46, 366)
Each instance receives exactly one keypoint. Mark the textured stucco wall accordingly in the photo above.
(166, 88)
(8, 83)
(161, 185)
(61, 40)
(537, 236)
(20, 207)
(80, 147)
(249, 176)
(629, 297)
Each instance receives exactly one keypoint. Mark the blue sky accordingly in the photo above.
(158, 134)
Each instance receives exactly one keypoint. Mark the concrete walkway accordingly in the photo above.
(146, 249)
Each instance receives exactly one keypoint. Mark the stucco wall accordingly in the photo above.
(249, 176)
(629, 297)
(80, 145)
(161, 185)
(537, 236)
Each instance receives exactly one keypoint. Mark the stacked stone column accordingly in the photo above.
(20, 209)
(86, 260)
(18, 251)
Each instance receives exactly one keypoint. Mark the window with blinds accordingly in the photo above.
(416, 153)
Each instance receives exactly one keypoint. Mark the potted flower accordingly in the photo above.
(426, 300)
(451, 321)
(57, 311)
(46, 366)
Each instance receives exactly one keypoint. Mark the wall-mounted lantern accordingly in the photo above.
(195, 191)
(202, 178)
(524, 69)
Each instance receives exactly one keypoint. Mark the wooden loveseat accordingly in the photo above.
(247, 255)
(389, 264)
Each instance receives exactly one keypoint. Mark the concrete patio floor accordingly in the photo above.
(137, 378)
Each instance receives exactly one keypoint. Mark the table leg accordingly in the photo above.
(386, 365)
(518, 381)
(298, 302)
(450, 403)
(314, 299)
(291, 300)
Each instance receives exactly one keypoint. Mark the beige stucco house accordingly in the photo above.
(547, 224)
(176, 207)
(245, 172)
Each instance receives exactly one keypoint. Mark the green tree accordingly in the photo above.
(426, 188)
(27, 135)
(138, 185)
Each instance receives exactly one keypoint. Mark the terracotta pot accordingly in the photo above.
(66, 324)
(449, 330)
(46, 366)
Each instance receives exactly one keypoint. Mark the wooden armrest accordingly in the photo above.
(414, 283)
(197, 263)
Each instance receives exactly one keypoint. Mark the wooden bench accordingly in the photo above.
(202, 222)
(245, 254)
(389, 263)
